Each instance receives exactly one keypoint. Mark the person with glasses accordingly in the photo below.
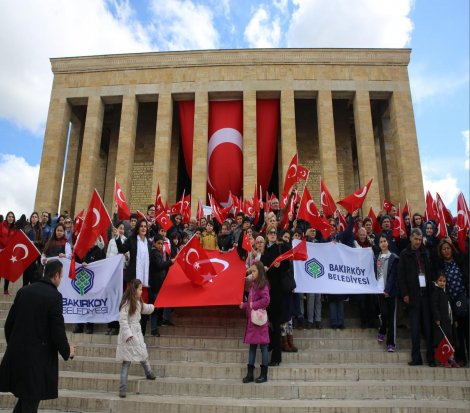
(139, 248)
(272, 250)
(68, 224)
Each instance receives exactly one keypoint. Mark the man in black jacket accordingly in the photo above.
(35, 332)
(414, 274)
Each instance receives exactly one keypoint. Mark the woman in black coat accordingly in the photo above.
(35, 332)
(275, 274)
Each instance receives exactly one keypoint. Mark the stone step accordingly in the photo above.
(286, 371)
(73, 400)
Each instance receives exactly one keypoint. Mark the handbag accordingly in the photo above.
(258, 317)
(460, 305)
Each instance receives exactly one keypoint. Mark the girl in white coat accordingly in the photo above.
(131, 346)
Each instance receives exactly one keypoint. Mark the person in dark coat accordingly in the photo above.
(35, 332)
(275, 274)
(414, 277)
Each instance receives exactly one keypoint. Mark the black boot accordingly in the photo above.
(263, 377)
(249, 376)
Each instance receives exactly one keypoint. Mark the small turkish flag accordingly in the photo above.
(158, 200)
(341, 221)
(430, 213)
(246, 245)
(398, 224)
(95, 224)
(193, 260)
(18, 255)
(441, 207)
(298, 253)
(327, 202)
(124, 213)
(444, 351)
(140, 215)
(216, 213)
(387, 206)
(406, 208)
(463, 221)
(291, 175)
(164, 221)
(441, 224)
(225, 288)
(356, 199)
(200, 210)
(375, 222)
(72, 268)
(308, 211)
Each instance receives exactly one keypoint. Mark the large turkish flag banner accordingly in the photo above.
(225, 288)
(225, 149)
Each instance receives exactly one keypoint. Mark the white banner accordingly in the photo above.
(333, 268)
(95, 293)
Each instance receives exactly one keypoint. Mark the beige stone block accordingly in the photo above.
(288, 134)
(250, 167)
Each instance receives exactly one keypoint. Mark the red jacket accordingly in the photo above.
(5, 234)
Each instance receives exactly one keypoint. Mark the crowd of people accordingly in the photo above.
(425, 280)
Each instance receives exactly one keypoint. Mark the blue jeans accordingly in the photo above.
(337, 313)
(264, 354)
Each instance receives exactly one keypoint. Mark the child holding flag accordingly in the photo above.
(442, 318)
(258, 298)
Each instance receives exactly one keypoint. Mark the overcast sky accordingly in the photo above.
(32, 31)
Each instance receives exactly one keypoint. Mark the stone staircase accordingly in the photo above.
(199, 365)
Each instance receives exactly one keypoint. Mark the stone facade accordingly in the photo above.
(347, 112)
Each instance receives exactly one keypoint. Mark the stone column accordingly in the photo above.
(199, 172)
(126, 144)
(111, 166)
(288, 133)
(161, 159)
(90, 151)
(327, 142)
(403, 132)
(366, 149)
(53, 154)
(71, 166)
(250, 165)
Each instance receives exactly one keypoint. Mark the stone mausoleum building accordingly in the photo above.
(346, 112)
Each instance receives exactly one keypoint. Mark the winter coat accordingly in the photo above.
(256, 334)
(391, 286)
(209, 241)
(408, 271)
(35, 332)
(135, 349)
(6, 233)
(225, 241)
(441, 311)
(130, 245)
(159, 265)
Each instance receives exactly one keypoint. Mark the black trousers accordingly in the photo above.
(26, 406)
(420, 318)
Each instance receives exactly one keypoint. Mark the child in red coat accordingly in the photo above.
(258, 298)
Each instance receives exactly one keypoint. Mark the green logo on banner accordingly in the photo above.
(314, 268)
(83, 281)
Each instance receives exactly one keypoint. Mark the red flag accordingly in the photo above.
(200, 210)
(387, 206)
(216, 213)
(398, 224)
(444, 351)
(430, 213)
(225, 134)
(72, 268)
(283, 199)
(441, 206)
(375, 222)
(225, 288)
(140, 215)
(298, 253)
(95, 224)
(291, 175)
(19, 254)
(327, 202)
(406, 208)
(164, 221)
(463, 221)
(341, 221)
(302, 173)
(308, 211)
(158, 200)
(179, 206)
(248, 208)
(246, 245)
(356, 199)
(441, 224)
(256, 204)
(124, 213)
(77, 223)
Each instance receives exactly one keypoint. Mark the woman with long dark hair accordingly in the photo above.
(7, 230)
(34, 232)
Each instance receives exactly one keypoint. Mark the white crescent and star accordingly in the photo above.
(119, 195)
(444, 351)
(98, 217)
(294, 166)
(321, 198)
(188, 254)
(309, 203)
(24, 248)
(219, 137)
(362, 194)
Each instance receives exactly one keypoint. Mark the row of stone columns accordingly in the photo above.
(60, 116)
